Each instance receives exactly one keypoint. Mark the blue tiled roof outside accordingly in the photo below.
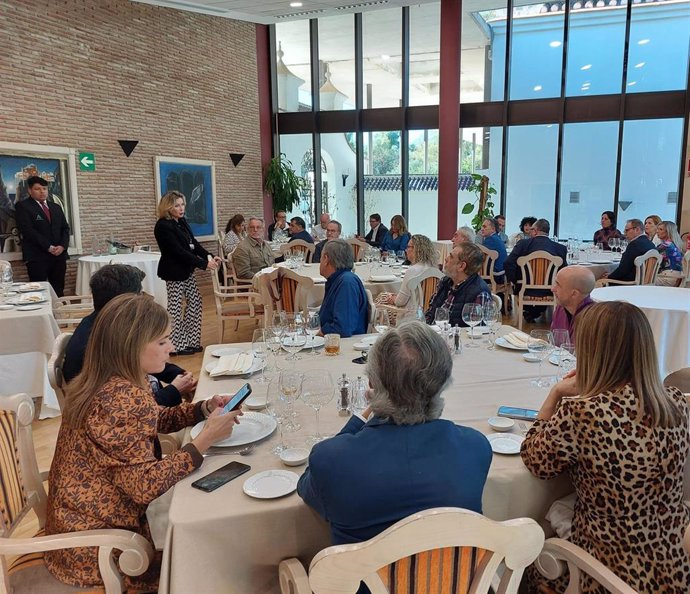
(417, 183)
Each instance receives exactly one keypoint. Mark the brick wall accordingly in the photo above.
(87, 73)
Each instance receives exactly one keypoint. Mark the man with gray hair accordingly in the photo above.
(638, 244)
(345, 306)
(463, 235)
(400, 457)
(333, 230)
(252, 253)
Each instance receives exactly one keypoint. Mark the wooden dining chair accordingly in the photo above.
(236, 302)
(358, 248)
(559, 554)
(488, 273)
(300, 245)
(646, 270)
(685, 279)
(422, 289)
(288, 290)
(70, 311)
(438, 550)
(538, 273)
(22, 491)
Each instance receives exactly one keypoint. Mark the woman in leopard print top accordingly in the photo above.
(624, 440)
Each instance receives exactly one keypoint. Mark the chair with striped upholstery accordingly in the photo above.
(358, 248)
(646, 270)
(538, 273)
(299, 245)
(438, 551)
(289, 290)
(422, 289)
(21, 490)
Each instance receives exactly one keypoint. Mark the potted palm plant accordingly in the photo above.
(282, 183)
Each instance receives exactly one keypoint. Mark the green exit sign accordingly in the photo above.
(87, 162)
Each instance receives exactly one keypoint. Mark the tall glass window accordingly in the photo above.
(425, 64)
(531, 173)
(382, 180)
(339, 192)
(483, 54)
(382, 49)
(337, 62)
(595, 50)
(423, 193)
(649, 168)
(658, 54)
(588, 177)
(298, 150)
(293, 66)
(536, 51)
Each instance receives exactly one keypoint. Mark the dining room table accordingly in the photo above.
(28, 329)
(226, 541)
(668, 312)
(146, 261)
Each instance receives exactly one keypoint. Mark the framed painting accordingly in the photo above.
(196, 179)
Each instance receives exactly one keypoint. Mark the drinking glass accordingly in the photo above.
(472, 315)
(540, 344)
(294, 337)
(260, 352)
(401, 256)
(600, 247)
(317, 391)
(312, 326)
(566, 359)
(560, 336)
(442, 318)
(273, 336)
(614, 243)
(493, 318)
(279, 409)
(331, 344)
(6, 278)
(381, 321)
(290, 383)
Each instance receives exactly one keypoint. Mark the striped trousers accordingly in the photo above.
(185, 309)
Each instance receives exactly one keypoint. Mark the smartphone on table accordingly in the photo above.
(240, 396)
(219, 477)
(514, 412)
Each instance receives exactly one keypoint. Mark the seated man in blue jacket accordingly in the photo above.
(401, 458)
(492, 241)
(298, 231)
(106, 283)
(345, 308)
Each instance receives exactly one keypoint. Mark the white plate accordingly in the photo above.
(253, 427)
(361, 346)
(505, 443)
(6, 306)
(502, 342)
(530, 358)
(294, 456)
(255, 402)
(256, 366)
(28, 307)
(319, 280)
(27, 288)
(24, 299)
(318, 341)
(600, 261)
(224, 351)
(270, 484)
(553, 359)
(382, 278)
(370, 339)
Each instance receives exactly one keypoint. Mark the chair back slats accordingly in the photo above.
(450, 570)
(12, 494)
(429, 287)
(288, 292)
(487, 271)
(647, 267)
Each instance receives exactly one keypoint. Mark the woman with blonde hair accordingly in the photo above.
(181, 255)
(107, 466)
(671, 248)
(650, 227)
(623, 438)
(398, 236)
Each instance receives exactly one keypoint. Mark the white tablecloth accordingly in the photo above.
(146, 261)
(443, 247)
(26, 343)
(228, 542)
(668, 312)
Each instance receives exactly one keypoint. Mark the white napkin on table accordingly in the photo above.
(233, 364)
(518, 339)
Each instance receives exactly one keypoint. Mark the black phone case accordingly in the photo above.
(216, 479)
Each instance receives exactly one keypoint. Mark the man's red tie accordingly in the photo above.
(46, 210)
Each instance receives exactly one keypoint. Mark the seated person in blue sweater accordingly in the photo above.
(107, 283)
(345, 308)
(298, 231)
(397, 237)
(492, 241)
(401, 457)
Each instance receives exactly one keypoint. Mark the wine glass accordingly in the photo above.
(401, 256)
(540, 344)
(381, 321)
(472, 315)
(317, 391)
(294, 337)
(566, 359)
(279, 410)
(290, 383)
(273, 336)
(493, 318)
(614, 243)
(312, 326)
(260, 352)
(442, 318)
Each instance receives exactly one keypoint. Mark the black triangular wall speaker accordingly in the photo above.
(128, 146)
(236, 158)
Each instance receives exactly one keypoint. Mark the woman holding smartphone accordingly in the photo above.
(107, 466)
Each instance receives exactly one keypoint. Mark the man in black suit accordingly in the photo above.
(638, 244)
(538, 242)
(45, 235)
(377, 233)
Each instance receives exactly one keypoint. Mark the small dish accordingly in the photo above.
(507, 443)
(294, 456)
(361, 346)
(530, 358)
(255, 402)
(501, 424)
(225, 351)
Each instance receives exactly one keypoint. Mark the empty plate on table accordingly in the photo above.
(28, 307)
(554, 358)
(253, 427)
(255, 402)
(271, 484)
(316, 341)
(29, 299)
(319, 280)
(382, 278)
(505, 443)
(224, 351)
(6, 306)
(502, 342)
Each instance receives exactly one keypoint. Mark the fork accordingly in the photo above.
(243, 451)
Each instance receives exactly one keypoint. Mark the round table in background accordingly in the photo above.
(668, 312)
(146, 261)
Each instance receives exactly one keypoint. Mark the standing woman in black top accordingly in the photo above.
(181, 253)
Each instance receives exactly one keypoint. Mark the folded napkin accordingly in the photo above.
(518, 339)
(233, 364)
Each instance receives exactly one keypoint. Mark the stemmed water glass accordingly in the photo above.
(614, 243)
(290, 383)
(312, 326)
(260, 352)
(472, 315)
(566, 359)
(273, 336)
(281, 411)
(401, 256)
(492, 317)
(442, 318)
(294, 336)
(5, 278)
(540, 344)
(317, 391)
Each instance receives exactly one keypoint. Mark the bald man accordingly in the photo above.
(571, 288)
(318, 232)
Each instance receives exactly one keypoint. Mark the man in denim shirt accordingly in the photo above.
(345, 306)
(461, 285)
